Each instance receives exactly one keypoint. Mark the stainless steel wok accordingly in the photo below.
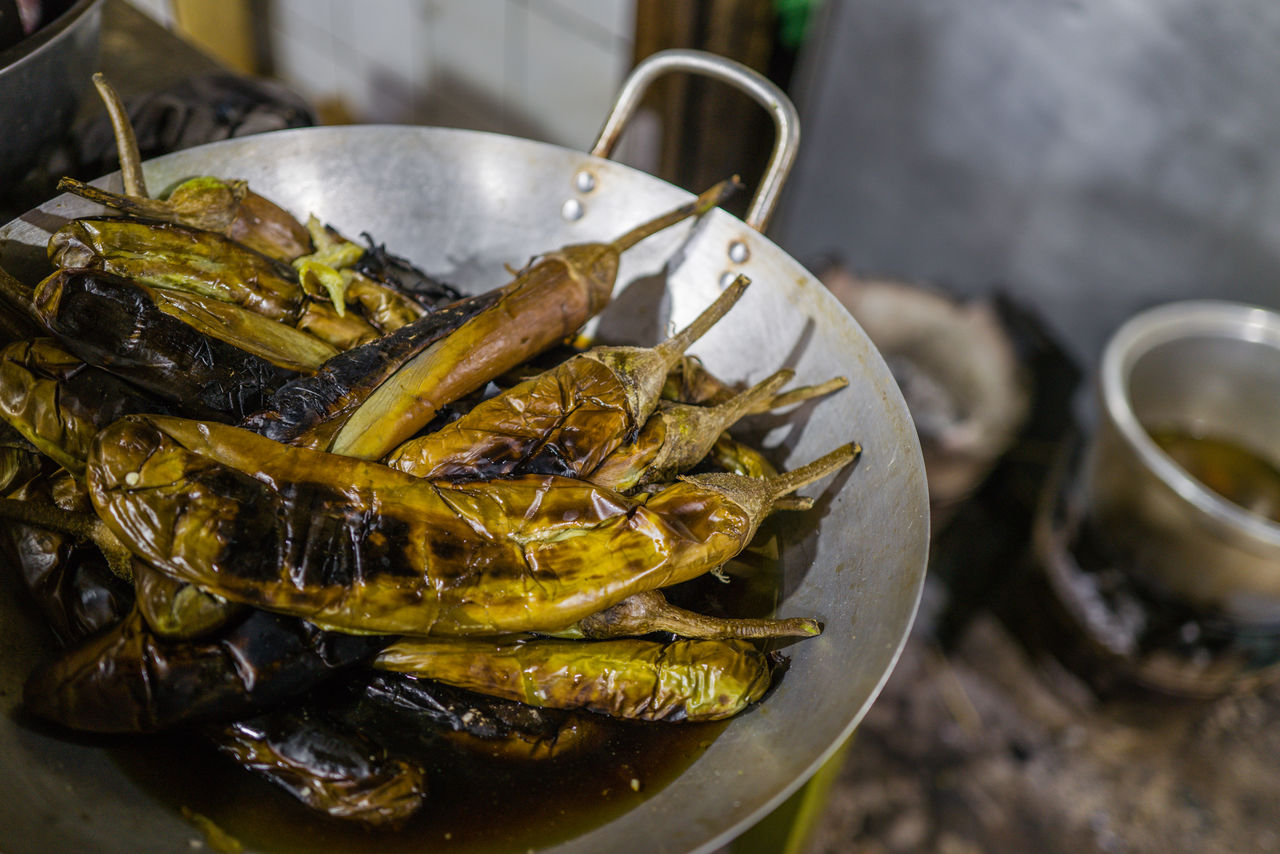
(463, 205)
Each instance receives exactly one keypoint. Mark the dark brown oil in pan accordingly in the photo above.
(474, 804)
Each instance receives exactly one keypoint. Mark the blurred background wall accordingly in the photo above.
(1088, 157)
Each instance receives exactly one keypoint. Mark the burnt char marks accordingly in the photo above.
(112, 322)
(251, 535)
(331, 542)
(307, 401)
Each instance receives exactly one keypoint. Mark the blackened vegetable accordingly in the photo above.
(565, 421)
(333, 769)
(229, 208)
(128, 680)
(57, 402)
(309, 410)
(118, 325)
(69, 581)
(178, 257)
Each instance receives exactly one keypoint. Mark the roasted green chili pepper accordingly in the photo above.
(565, 421)
(546, 303)
(694, 680)
(117, 325)
(178, 257)
(362, 547)
(128, 680)
(176, 610)
(333, 769)
(58, 403)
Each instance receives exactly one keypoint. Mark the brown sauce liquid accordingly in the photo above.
(1234, 472)
(474, 804)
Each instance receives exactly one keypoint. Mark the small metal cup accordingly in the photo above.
(1212, 369)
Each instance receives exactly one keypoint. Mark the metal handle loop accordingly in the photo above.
(786, 120)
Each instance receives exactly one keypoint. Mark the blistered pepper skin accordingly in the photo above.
(693, 680)
(359, 546)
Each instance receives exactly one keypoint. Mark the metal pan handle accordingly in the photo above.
(786, 120)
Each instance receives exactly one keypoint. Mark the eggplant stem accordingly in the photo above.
(800, 395)
(673, 348)
(788, 482)
(752, 400)
(126, 141)
(703, 203)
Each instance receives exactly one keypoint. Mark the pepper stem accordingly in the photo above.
(82, 526)
(126, 141)
(703, 203)
(135, 205)
(649, 611)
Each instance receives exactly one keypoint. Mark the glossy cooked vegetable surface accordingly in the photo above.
(232, 406)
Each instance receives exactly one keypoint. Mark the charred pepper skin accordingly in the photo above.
(685, 680)
(178, 257)
(354, 545)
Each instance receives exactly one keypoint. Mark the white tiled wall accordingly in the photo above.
(545, 69)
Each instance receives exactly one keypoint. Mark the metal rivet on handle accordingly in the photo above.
(572, 210)
(738, 252)
(584, 181)
(726, 279)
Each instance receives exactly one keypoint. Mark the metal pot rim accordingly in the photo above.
(1165, 324)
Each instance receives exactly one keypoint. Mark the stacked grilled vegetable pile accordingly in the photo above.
(247, 457)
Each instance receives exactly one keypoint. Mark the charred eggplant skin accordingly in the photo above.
(128, 680)
(307, 410)
(111, 322)
(333, 769)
